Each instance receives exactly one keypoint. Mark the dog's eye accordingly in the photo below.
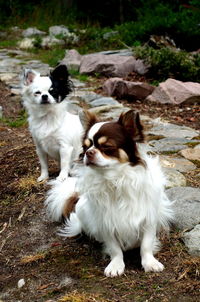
(107, 149)
(38, 92)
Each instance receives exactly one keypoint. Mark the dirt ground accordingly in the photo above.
(61, 270)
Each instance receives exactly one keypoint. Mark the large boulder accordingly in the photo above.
(121, 88)
(186, 206)
(110, 65)
(175, 92)
(72, 59)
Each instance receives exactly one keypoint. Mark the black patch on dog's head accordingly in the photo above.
(61, 85)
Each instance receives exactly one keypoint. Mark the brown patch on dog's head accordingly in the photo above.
(119, 139)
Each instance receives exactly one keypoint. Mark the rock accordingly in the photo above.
(63, 32)
(58, 30)
(180, 164)
(1, 111)
(121, 88)
(8, 77)
(42, 68)
(171, 130)
(109, 65)
(20, 283)
(85, 95)
(108, 111)
(103, 101)
(191, 153)
(110, 34)
(32, 31)
(120, 52)
(192, 241)
(186, 206)
(175, 92)
(72, 59)
(50, 41)
(174, 178)
(26, 43)
(170, 145)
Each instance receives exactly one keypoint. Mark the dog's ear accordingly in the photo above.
(60, 73)
(88, 119)
(130, 120)
(60, 78)
(29, 76)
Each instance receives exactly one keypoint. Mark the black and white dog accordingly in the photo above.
(56, 132)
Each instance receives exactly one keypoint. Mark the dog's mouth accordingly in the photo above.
(45, 102)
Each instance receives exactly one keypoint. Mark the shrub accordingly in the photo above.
(166, 62)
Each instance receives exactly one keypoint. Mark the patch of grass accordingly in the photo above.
(20, 121)
(168, 152)
(197, 138)
(81, 297)
(8, 43)
(77, 75)
(192, 144)
(49, 56)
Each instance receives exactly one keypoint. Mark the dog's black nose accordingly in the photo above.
(44, 99)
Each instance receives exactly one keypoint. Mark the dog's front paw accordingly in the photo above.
(42, 178)
(115, 268)
(152, 265)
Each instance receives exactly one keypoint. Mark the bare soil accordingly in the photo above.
(61, 270)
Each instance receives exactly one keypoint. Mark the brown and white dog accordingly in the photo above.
(121, 200)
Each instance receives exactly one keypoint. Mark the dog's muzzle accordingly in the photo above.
(45, 99)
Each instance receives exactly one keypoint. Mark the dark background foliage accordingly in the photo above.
(135, 20)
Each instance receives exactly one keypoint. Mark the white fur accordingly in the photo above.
(56, 132)
(123, 207)
(57, 196)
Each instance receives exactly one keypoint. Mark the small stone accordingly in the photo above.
(192, 241)
(174, 178)
(180, 164)
(21, 283)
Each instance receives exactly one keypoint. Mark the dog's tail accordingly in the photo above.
(61, 198)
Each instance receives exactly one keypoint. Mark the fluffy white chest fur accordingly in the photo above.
(56, 128)
(121, 203)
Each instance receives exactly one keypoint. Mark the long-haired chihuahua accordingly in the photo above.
(119, 196)
(56, 132)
